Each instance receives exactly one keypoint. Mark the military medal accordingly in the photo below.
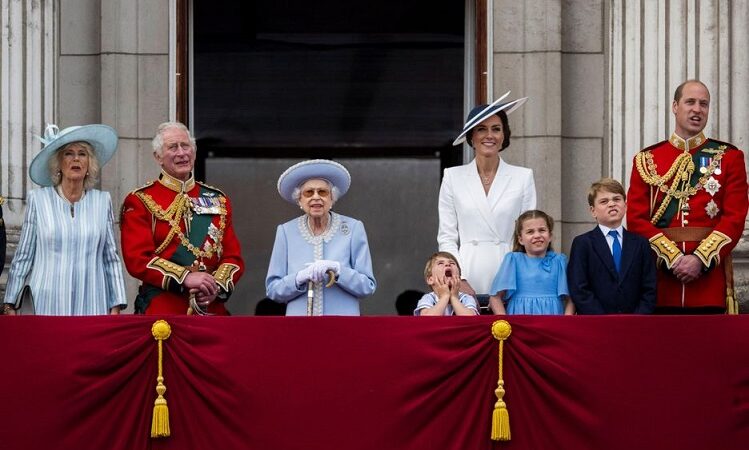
(206, 205)
(704, 163)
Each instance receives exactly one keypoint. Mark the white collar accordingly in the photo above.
(605, 230)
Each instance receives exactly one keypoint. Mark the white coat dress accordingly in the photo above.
(478, 228)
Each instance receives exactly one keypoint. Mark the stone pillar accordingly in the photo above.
(584, 159)
(28, 71)
(134, 87)
(114, 61)
(656, 45)
(526, 38)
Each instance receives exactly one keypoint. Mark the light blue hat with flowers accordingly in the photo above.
(102, 138)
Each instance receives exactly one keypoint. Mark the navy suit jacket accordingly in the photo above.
(595, 285)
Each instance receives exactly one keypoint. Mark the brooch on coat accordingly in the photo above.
(712, 209)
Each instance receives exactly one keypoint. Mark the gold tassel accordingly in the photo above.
(160, 422)
(501, 330)
(732, 306)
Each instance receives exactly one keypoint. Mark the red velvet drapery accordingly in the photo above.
(376, 383)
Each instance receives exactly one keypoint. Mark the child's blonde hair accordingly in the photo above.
(528, 215)
(433, 258)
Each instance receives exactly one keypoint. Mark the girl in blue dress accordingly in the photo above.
(532, 279)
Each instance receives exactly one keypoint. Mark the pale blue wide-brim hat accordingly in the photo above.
(296, 175)
(102, 138)
(482, 112)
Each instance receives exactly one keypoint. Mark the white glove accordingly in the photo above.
(322, 267)
(306, 274)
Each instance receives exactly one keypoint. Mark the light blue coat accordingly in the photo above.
(68, 256)
(295, 247)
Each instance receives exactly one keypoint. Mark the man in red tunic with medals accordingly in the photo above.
(177, 235)
(688, 196)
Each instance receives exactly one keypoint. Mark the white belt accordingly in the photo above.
(485, 242)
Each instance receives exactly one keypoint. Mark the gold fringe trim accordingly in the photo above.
(501, 330)
(160, 423)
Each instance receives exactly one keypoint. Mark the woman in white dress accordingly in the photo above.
(479, 201)
(67, 253)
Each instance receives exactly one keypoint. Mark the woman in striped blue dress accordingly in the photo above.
(67, 253)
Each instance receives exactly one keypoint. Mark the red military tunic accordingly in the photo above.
(167, 234)
(689, 197)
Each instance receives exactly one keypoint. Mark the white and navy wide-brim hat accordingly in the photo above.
(102, 138)
(482, 112)
(296, 175)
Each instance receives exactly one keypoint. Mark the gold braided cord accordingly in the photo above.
(174, 214)
(160, 420)
(680, 174)
(501, 330)
(649, 175)
(686, 168)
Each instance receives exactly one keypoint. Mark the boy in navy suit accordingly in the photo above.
(611, 271)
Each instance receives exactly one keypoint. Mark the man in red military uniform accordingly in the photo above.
(688, 196)
(177, 235)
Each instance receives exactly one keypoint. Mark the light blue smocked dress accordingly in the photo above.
(533, 285)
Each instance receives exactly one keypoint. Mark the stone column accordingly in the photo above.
(28, 71)
(526, 38)
(584, 159)
(135, 93)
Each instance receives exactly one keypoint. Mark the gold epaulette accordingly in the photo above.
(665, 249)
(709, 247)
(169, 270)
(148, 184)
(2, 200)
(213, 188)
(223, 276)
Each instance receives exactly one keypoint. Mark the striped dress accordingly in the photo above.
(68, 256)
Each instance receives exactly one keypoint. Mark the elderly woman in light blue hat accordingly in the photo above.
(67, 254)
(479, 201)
(320, 263)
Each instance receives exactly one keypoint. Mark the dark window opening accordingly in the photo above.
(325, 78)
